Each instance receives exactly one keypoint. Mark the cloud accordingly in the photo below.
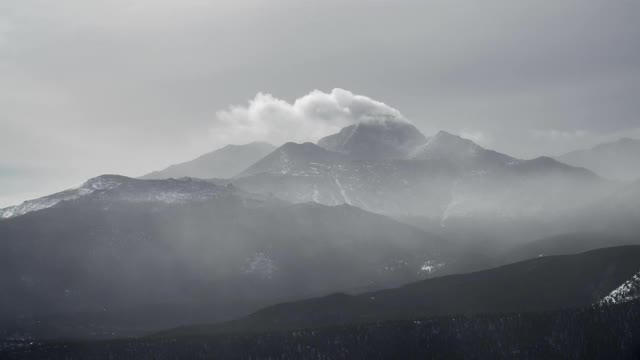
(553, 134)
(317, 114)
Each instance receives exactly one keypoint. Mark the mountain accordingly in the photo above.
(614, 160)
(542, 284)
(301, 173)
(446, 146)
(123, 188)
(446, 179)
(131, 255)
(222, 163)
(376, 140)
(565, 244)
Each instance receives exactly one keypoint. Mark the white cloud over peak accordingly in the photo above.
(308, 118)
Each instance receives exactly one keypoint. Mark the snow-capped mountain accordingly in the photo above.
(309, 173)
(116, 187)
(614, 160)
(628, 291)
(222, 163)
(444, 178)
(390, 139)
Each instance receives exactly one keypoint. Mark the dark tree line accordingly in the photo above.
(592, 333)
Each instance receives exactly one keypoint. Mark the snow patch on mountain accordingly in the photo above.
(628, 291)
(343, 192)
(431, 266)
(260, 265)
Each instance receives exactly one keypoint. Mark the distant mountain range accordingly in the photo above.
(395, 170)
(374, 206)
(222, 163)
(389, 167)
(614, 160)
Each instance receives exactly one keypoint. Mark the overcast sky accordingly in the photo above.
(90, 87)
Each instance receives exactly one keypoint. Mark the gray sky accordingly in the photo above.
(90, 87)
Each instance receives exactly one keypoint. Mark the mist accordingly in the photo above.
(319, 179)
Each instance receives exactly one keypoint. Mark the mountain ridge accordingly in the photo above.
(225, 162)
(548, 283)
(614, 160)
(460, 178)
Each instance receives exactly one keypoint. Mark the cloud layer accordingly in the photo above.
(308, 118)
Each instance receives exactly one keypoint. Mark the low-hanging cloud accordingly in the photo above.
(308, 118)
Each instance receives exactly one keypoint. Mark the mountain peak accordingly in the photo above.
(379, 140)
(443, 137)
(225, 162)
(446, 134)
(253, 144)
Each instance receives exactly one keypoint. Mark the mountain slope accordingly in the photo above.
(535, 285)
(222, 163)
(447, 146)
(204, 251)
(301, 173)
(294, 159)
(566, 244)
(615, 160)
(123, 188)
(377, 140)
